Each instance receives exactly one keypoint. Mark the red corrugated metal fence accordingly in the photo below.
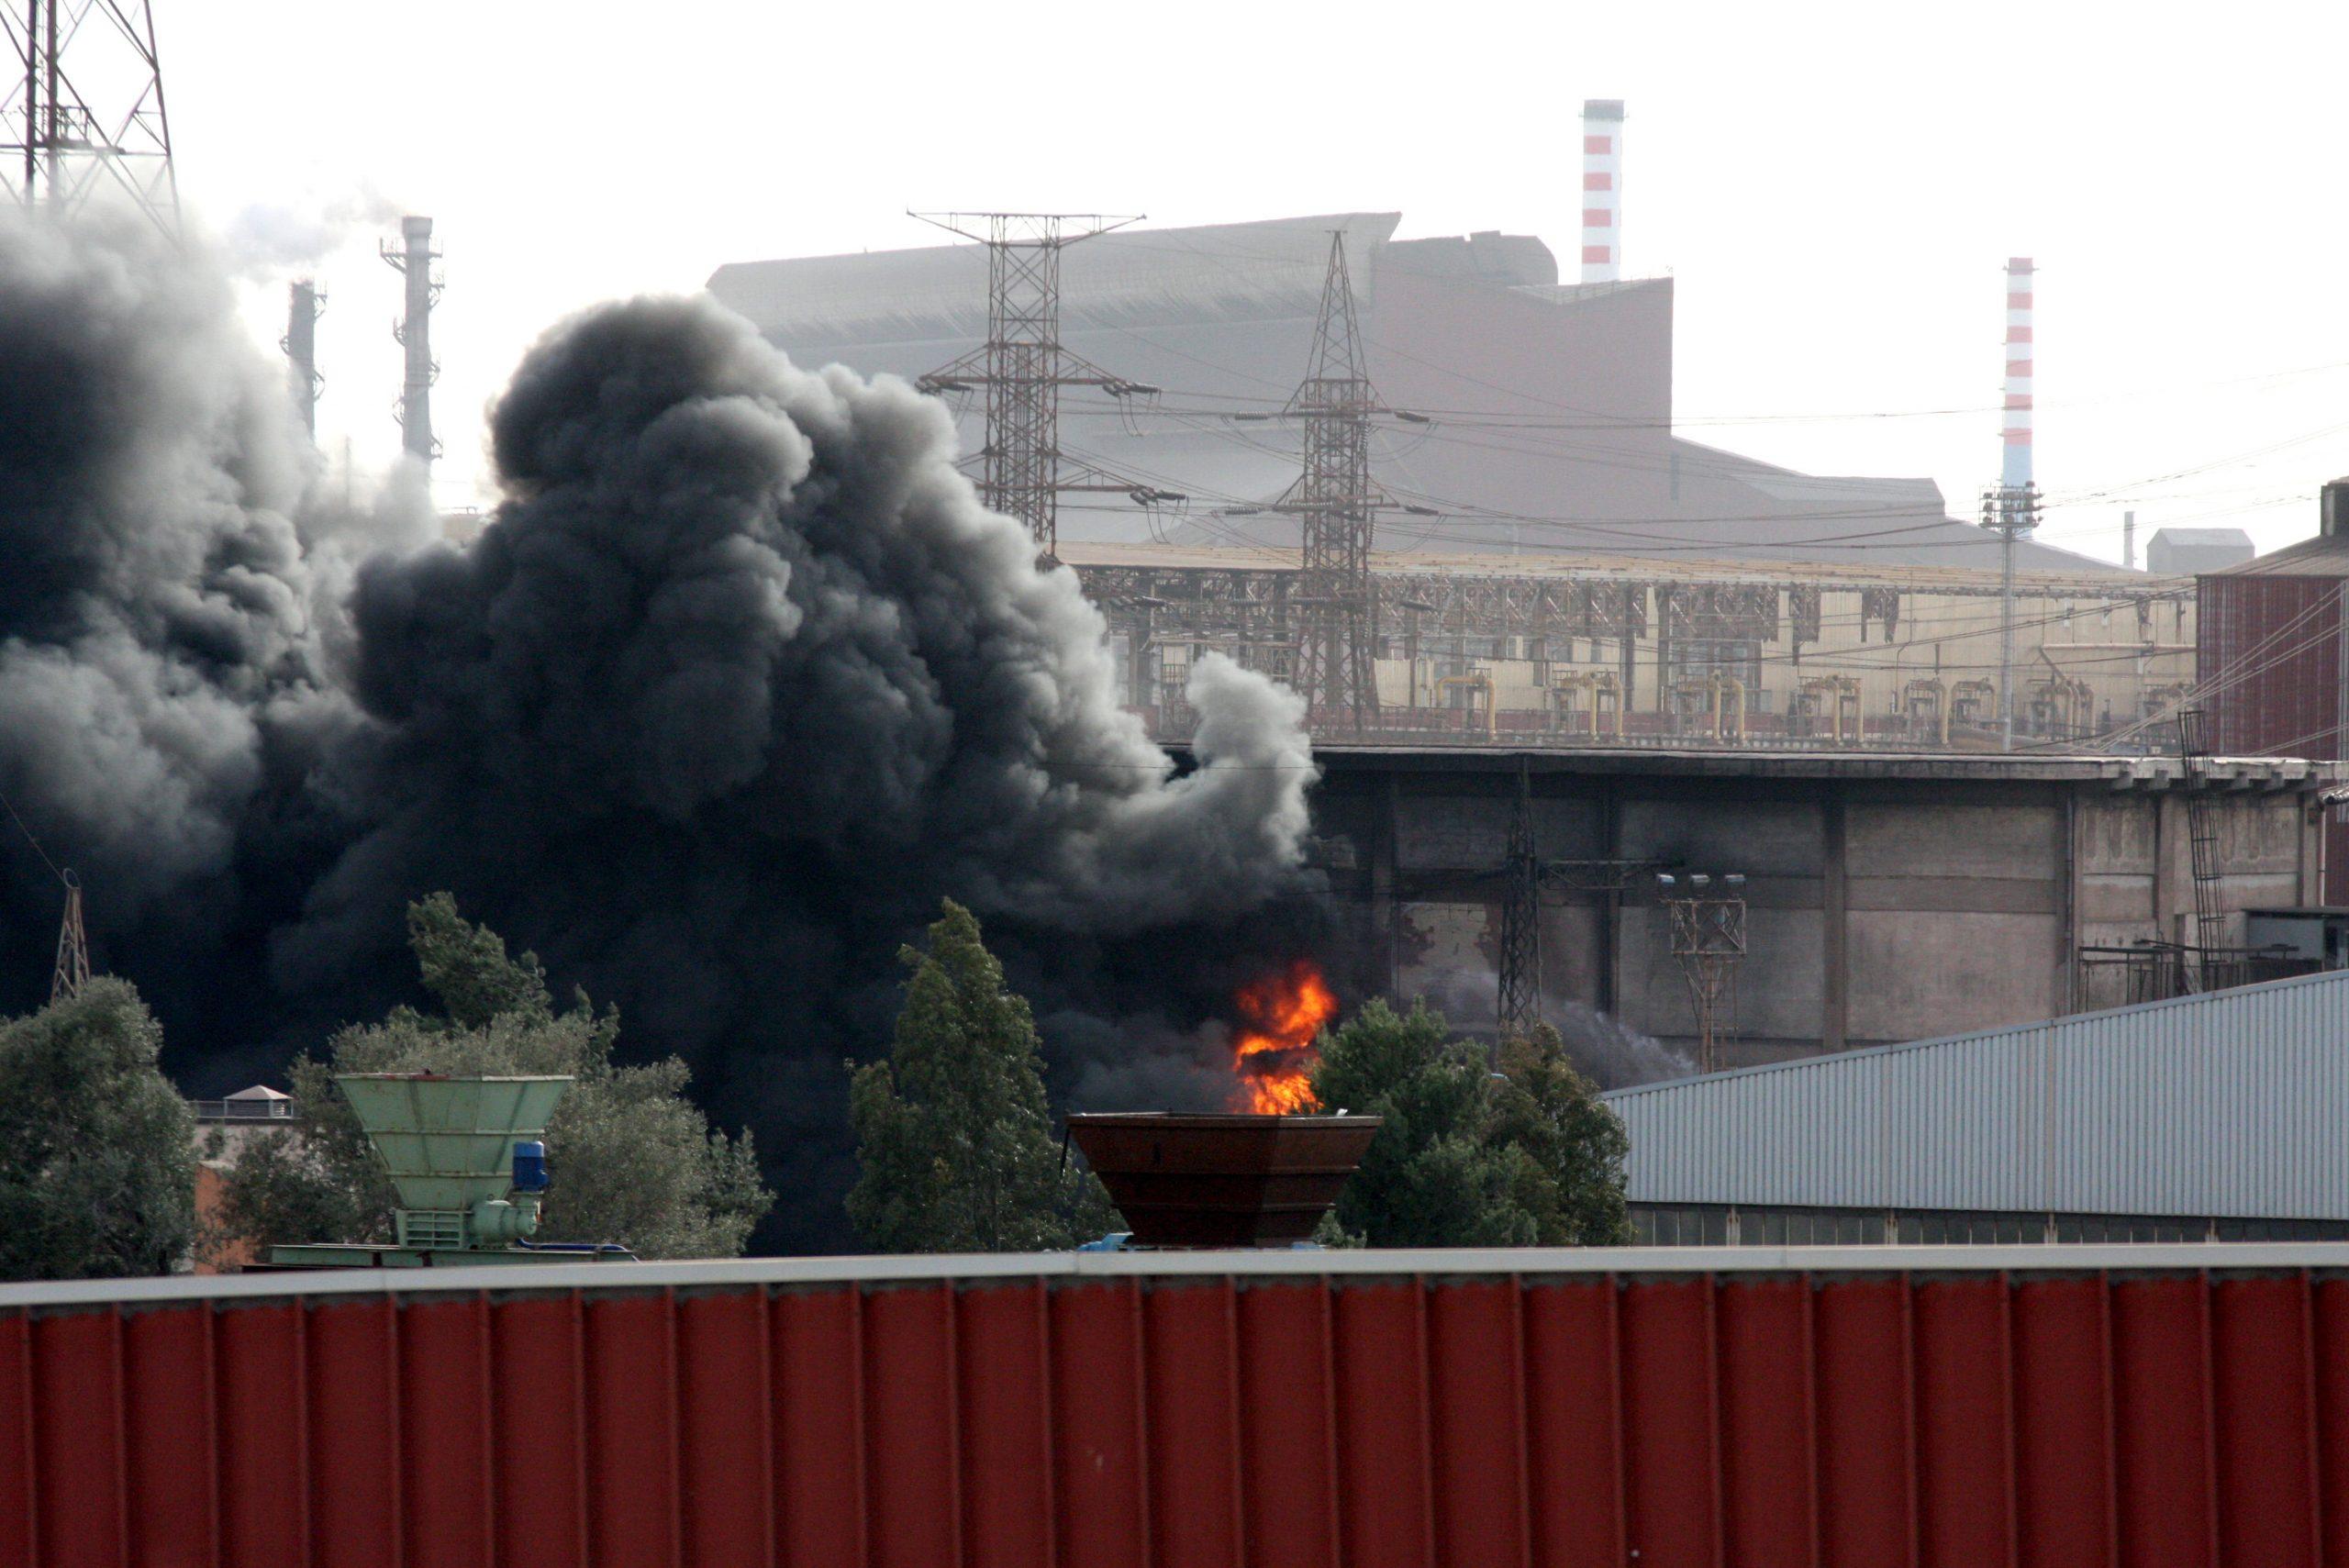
(2164, 1415)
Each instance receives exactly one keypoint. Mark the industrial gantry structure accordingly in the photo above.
(1022, 367)
(1337, 506)
(85, 120)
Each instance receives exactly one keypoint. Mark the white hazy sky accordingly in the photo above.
(1835, 187)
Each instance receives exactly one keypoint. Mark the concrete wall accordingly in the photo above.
(1878, 909)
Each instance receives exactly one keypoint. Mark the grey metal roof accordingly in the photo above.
(2231, 1105)
(1545, 409)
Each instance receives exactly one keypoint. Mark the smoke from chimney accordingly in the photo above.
(738, 680)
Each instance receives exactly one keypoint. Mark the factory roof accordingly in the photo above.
(1539, 411)
(2229, 1103)
(2326, 555)
(2197, 550)
(1861, 573)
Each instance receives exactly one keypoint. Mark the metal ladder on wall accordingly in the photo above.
(2202, 836)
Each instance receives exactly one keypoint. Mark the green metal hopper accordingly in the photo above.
(450, 1145)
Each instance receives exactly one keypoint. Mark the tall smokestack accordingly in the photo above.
(1602, 190)
(412, 331)
(2129, 539)
(2015, 473)
(301, 346)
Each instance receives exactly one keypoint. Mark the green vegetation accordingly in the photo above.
(98, 1151)
(953, 1135)
(634, 1160)
(1469, 1156)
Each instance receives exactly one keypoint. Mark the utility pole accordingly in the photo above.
(2012, 507)
(87, 118)
(1337, 506)
(1521, 967)
(1709, 940)
(73, 971)
(413, 332)
(1023, 367)
(300, 345)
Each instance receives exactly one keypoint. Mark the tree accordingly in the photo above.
(1469, 1157)
(98, 1151)
(1570, 1180)
(953, 1135)
(636, 1161)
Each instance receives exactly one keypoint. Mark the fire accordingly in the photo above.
(1284, 1013)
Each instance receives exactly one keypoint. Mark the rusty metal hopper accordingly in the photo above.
(1222, 1180)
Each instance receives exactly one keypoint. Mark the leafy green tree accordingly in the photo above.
(1571, 1178)
(98, 1151)
(953, 1135)
(1470, 1157)
(635, 1159)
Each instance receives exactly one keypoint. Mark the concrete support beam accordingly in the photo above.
(1834, 1020)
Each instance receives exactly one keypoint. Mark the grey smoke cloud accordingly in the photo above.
(159, 666)
(269, 237)
(738, 679)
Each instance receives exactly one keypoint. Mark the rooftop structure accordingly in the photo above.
(1531, 415)
(1560, 650)
(2184, 551)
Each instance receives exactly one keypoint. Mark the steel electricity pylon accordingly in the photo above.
(73, 971)
(1521, 967)
(1022, 367)
(1337, 505)
(85, 116)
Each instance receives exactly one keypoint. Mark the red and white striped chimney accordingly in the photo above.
(1602, 190)
(2014, 473)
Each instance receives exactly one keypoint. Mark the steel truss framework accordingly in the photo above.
(85, 113)
(1337, 506)
(1709, 940)
(73, 969)
(1022, 367)
(1255, 613)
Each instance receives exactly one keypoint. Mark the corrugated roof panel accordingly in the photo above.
(2234, 1103)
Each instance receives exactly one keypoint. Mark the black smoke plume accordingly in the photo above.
(739, 679)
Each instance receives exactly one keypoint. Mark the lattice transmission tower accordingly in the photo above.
(1337, 505)
(73, 971)
(1022, 366)
(1521, 966)
(85, 114)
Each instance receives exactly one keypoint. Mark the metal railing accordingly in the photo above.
(2157, 972)
(243, 1110)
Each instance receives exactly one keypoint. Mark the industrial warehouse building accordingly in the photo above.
(2208, 1117)
(2274, 656)
(1559, 563)
(1890, 896)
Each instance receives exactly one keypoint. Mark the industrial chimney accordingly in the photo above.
(301, 346)
(2015, 473)
(2129, 541)
(413, 332)
(1602, 190)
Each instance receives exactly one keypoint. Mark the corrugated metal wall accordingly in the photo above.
(1415, 1409)
(2268, 649)
(2229, 1103)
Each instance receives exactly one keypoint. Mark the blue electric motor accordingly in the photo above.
(530, 1166)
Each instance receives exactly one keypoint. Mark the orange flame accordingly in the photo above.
(1274, 1053)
